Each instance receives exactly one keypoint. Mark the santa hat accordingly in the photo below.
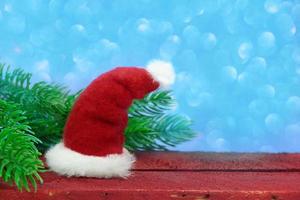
(93, 139)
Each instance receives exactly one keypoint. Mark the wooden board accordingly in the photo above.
(217, 161)
(173, 175)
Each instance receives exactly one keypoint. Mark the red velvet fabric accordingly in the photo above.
(99, 117)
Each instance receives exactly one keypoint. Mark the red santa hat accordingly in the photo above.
(93, 139)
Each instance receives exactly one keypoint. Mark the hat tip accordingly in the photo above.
(162, 72)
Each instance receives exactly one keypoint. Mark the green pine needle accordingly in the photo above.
(19, 157)
(155, 103)
(150, 127)
(46, 105)
(157, 133)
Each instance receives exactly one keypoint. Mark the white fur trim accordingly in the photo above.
(65, 161)
(162, 72)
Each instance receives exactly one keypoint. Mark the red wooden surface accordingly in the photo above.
(217, 161)
(171, 175)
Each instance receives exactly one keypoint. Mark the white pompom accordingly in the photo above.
(163, 72)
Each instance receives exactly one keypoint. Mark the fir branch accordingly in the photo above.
(157, 133)
(150, 127)
(46, 105)
(19, 158)
(155, 103)
(172, 129)
(139, 135)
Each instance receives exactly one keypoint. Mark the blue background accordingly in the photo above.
(237, 61)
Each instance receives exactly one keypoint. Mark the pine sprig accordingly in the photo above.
(155, 103)
(157, 133)
(46, 105)
(151, 127)
(19, 157)
(17, 77)
(139, 135)
(172, 129)
(47, 112)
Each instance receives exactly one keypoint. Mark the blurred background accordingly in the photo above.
(237, 61)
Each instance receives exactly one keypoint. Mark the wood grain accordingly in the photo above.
(180, 176)
(217, 161)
